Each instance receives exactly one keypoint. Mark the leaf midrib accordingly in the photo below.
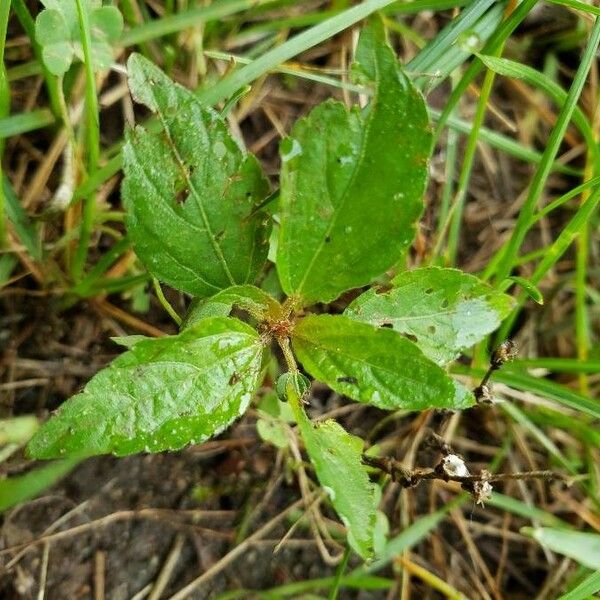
(199, 202)
(345, 195)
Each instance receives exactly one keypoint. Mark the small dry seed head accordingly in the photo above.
(483, 393)
(482, 490)
(454, 466)
(504, 353)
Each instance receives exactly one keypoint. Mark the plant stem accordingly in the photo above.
(4, 108)
(164, 302)
(92, 139)
(456, 212)
(410, 477)
(290, 361)
(335, 586)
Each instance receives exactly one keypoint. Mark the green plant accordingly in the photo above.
(200, 215)
(58, 32)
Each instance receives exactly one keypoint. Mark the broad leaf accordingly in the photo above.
(336, 456)
(581, 547)
(372, 365)
(443, 310)
(352, 181)
(248, 298)
(160, 395)
(192, 194)
(273, 432)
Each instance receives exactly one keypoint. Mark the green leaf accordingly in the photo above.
(581, 547)
(51, 27)
(58, 57)
(15, 490)
(300, 382)
(443, 310)
(68, 11)
(530, 289)
(273, 432)
(271, 407)
(248, 298)
(106, 24)
(160, 395)
(191, 192)
(52, 32)
(17, 430)
(337, 458)
(57, 32)
(375, 366)
(352, 182)
(585, 590)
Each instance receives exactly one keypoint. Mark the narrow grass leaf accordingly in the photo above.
(24, 228)
(16, 490)
(586, 589)
(581, 547)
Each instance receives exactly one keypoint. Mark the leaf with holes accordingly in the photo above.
(352, 181)
(373, 365)
(443, 311)
(192, 194)
(336, 456)
(160, 395)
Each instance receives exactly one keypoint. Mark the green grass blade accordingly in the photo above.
(590, 183)
(4, 108)
(186, 19)
(22, 11)
(516, 507)
(550, 390)
(23, 227)
(540, 386)
(503, 143)
(24, 122)
(519, 417)
(554, 252)
(496, 39)
(428, 58)
(515, 70)
(509, 252)
(586, 589)
(294, 46)
(15, 490)
(582, 6)
(557, 365)
(92, 141)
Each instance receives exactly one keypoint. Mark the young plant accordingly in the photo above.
(350, 196)
(58, 33)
